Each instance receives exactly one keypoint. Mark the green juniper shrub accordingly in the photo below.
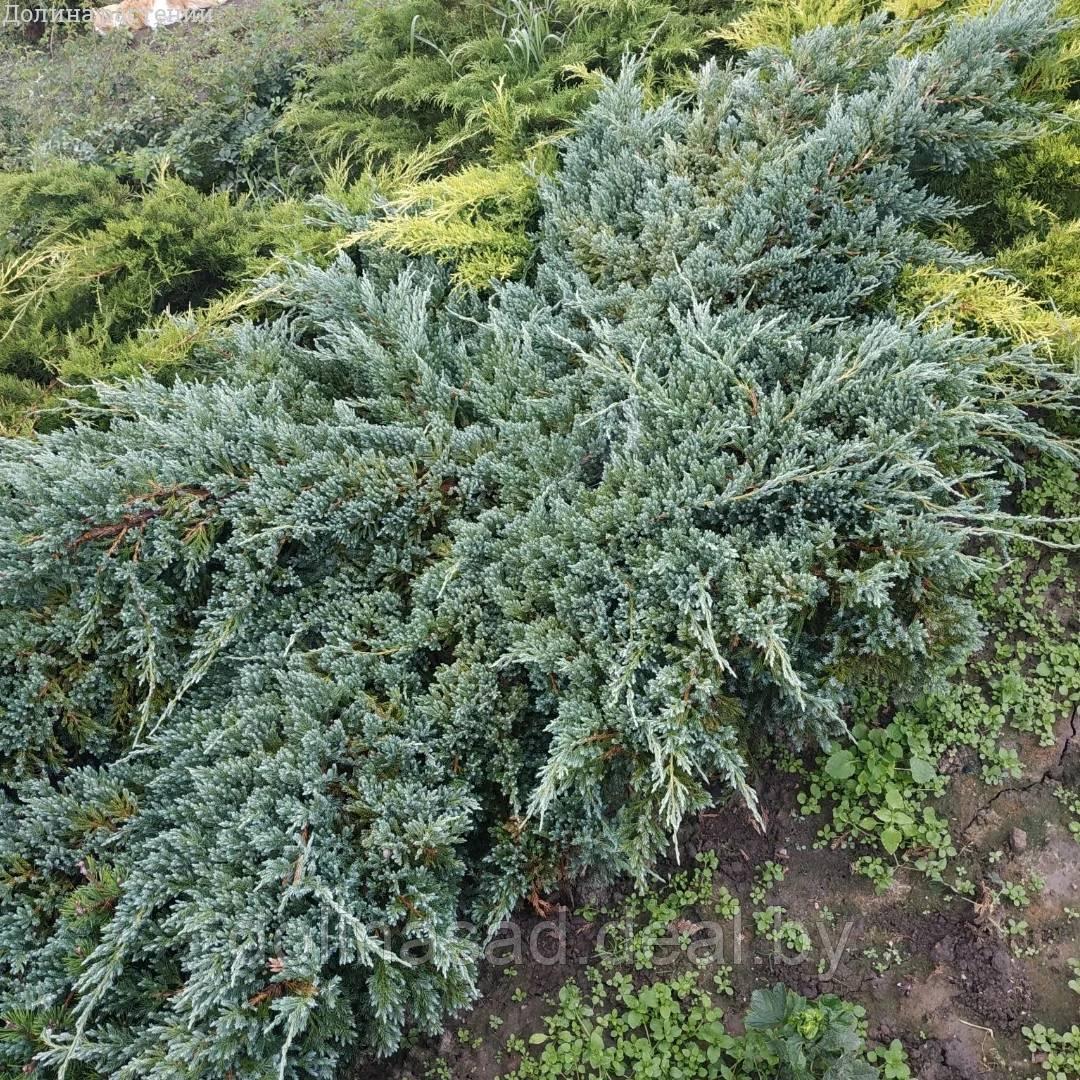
(436, 596)
(100, 271)
(98, 281)
(65, 199)
(486, 83)
(124, 283)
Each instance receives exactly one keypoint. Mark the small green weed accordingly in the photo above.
(673, 1029)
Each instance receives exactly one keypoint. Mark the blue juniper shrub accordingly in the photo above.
(433, 593)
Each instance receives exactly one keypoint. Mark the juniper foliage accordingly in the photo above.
(484, 83)
(1027, 221)
(82, 282)
(471, 96)
(434, 597)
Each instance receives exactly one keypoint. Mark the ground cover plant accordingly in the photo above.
(655, 998)
(614, 1026)
(436, 597)
(881, 791)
